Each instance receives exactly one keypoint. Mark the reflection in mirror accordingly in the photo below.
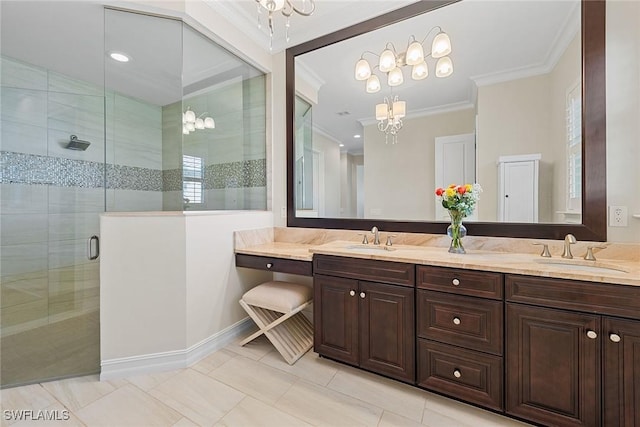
(509, 118)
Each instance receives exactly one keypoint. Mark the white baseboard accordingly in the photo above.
(171, 360)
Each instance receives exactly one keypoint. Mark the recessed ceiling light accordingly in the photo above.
(341, 145)
(356, 136)
(119, 56)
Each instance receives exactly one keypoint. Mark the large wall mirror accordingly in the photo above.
(523, 114)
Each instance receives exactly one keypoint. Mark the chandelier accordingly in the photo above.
(287, 8)
(391, 62)
(191, 122)
(389, 115)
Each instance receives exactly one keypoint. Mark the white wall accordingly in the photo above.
(399, 179)
(623, 113)
(169, 286)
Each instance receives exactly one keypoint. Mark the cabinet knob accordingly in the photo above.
(269, 265)
(352, 293)
(592, 334)
(455, 282)
(362, 295)
(614, 337)
(456, 320)
(457, 373)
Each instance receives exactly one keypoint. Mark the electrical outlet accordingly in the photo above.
(283, 212)
(618, 216)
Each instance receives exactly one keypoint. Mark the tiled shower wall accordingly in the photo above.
(51, 197)
(234, 153)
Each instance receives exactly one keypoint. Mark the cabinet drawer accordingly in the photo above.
(280, 265)
(464, 282)
(602, 298)
(463, 321)
(395, 273)
(463, 374)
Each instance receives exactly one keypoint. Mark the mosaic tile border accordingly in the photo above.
(20, 168)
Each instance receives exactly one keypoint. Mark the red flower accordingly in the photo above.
(462, 189)
(439, 191)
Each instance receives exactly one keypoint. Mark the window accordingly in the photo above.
(574, 149)
(192, 179)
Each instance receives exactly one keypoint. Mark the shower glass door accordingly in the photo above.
(52, 150)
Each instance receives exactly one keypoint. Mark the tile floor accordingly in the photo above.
(245, 386)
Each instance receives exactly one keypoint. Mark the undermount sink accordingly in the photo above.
(369, 248)
(597, 267)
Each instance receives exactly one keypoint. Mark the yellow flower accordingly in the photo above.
(450, 192)
(469, 187)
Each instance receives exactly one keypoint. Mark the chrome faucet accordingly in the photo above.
(569, 240)
(376, 235)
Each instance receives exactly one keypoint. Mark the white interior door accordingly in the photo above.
(455, 163)
(519, 192)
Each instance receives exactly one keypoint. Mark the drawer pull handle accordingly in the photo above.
(362, 295)
(456, 320)
(592, 334)
(455, 282)
(269, 265)
(615, 337)
(352, 293)
(457, 373)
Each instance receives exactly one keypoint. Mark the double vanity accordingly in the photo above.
(553, 341)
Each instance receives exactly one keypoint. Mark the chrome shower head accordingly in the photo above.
(77, 144)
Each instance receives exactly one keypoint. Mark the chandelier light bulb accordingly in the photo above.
(387, 61)
(373, 84)
(190, 126)
(415, 53)
(395, 77)
(444, 67)
(272, 5)
(190, 116)
(363, 70)
(382, 111)
(209, 123)
(399, 109)
(199, 123)
(420, 71)
(441, 45)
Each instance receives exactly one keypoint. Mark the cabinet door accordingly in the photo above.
(387, 330)
(553, 366)
(336, 318)
(621, 366)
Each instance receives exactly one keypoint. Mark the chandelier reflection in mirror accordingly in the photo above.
(391, 62)
(389, 115)
(191, 122)
(287, 8)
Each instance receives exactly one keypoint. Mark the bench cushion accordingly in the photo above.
(278, 296)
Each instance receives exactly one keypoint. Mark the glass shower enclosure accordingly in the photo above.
(83, 134)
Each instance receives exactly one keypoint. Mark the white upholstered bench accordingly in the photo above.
(276, 307)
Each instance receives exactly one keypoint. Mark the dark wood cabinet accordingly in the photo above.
(621, 339)
(553, 366)
(572, 352)
(280, 265)
(362, 322)
(460, 334)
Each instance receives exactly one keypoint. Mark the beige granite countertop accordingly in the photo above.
(622, 266)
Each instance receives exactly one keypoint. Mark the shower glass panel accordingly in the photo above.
(142, 140)
(52, 150)
(224, 151)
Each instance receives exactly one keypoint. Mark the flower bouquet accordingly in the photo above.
(459, 201)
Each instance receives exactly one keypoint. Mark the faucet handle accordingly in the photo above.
(389, 242)
(589, 255)
(365, 240)
(545, 250)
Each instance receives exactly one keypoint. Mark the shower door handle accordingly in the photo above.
(91, 254)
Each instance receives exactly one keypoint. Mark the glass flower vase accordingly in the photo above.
(456, 231)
